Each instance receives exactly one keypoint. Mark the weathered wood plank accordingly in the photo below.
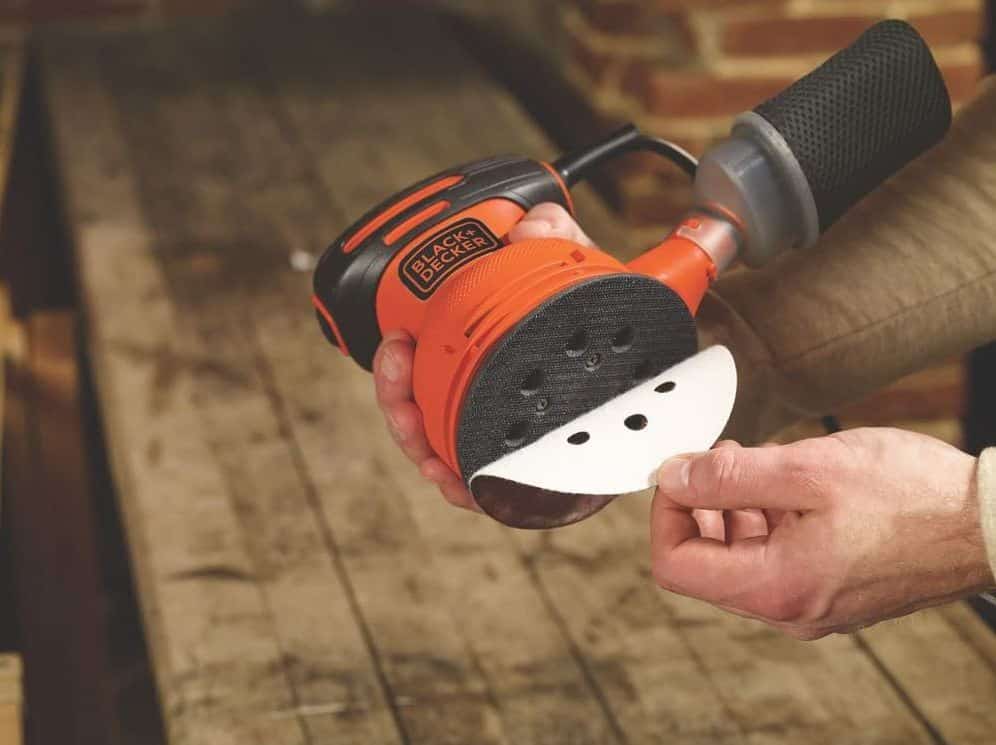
(944, 659)
(54, 535)
(220, 667)
(413, 642)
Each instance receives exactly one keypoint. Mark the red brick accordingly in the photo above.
(951, 27)
(689, 93)
(767, 36)
(962, 79)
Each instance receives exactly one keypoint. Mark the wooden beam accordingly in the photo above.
(52, 535)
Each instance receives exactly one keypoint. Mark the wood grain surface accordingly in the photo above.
(299, 582)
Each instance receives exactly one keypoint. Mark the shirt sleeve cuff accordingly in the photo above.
(987, 502)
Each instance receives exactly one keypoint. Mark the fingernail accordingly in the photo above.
(673, 475)
(391, 367)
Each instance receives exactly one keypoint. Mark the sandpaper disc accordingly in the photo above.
(572, 472)
(579, 349)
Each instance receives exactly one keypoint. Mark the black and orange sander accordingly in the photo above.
(552, 376)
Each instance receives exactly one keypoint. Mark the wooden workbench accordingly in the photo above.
(299, 582)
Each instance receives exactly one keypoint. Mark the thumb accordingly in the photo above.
(549, 220)
(740, 478)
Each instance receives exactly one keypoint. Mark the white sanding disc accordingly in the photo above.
(617, 448)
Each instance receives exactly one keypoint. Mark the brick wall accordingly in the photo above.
(683, 68)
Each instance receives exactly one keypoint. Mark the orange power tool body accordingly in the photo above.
(517, 339)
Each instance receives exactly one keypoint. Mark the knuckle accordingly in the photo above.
(548, 210)
(786, 601)
(716, 472)
(783, 607)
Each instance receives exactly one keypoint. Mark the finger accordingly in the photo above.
(549, 220)
(741, 478)
(404, 421)
(701, 567)
(710, 524)
(392, 368)
(741, 525)
(451, 486)
(458, 496)
(670, 526)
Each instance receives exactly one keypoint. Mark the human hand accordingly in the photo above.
(824, 535)
(395, 357)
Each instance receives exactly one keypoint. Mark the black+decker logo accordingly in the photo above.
(433, 260)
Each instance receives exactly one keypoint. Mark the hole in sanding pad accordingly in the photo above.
(592, 362)
(666, 387)
(577, 344)
(579, 438)
(516, 434)
(623, 340)
(636, 422)
(532, 383)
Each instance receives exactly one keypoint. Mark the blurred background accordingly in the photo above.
(677, 68)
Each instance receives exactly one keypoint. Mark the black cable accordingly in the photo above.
(574, 166)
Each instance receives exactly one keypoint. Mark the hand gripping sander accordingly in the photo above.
(552, 376)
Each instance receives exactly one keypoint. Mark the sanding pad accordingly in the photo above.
(570, 355)
(576, 469)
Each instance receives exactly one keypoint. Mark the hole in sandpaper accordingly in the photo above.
(579, 438)
(623, 340)
(666, 387)
(636, 421)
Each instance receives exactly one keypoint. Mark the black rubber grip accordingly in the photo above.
(862, 115)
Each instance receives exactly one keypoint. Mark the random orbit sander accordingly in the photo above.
(552, 376)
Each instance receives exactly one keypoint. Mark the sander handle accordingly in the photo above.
(798, 161)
